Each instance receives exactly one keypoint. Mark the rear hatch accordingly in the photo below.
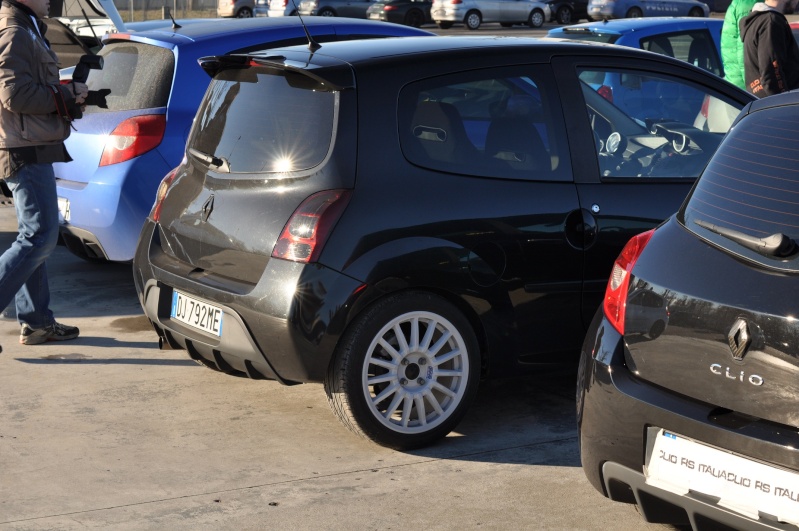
(724, 273)
(135, 80)
(265, 138)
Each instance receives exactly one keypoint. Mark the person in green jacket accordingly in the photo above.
(732, 47)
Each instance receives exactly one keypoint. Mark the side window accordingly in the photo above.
(695, 47)
(652, 125)
(501, 123)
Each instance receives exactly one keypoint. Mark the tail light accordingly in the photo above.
(307, 229)
(454, 2)
(133, 137)
(615, 303)
(389, 8)
(166, 182)
(606, 92)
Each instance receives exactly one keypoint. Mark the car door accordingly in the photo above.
(514, 10)
(354, 8)
(654, 127)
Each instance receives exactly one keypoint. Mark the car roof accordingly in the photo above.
(236, 27)
(358, 52)
(649, 24)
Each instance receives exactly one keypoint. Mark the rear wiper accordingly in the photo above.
(218, 163)
(777, 245)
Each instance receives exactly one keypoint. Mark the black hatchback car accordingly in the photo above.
(687, 396)
(401, 219)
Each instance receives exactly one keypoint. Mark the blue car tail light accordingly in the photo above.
(133, 137)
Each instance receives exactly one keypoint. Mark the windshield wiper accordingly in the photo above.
(218, 163)
(778, 245)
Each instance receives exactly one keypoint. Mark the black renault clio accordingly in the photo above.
(687, 398)
(400, 219)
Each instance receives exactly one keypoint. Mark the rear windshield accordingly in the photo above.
(264, 120)
(134, 76)
(751, 185)
(590, 36)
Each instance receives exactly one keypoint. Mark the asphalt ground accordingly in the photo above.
(108, 432)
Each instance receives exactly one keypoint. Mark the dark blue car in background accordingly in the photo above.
(153, 86)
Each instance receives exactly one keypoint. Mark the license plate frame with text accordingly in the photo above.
(196, 313)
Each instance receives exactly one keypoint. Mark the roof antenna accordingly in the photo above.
(175, 25)
(312, 44)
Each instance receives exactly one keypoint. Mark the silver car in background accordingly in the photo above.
(472, 13)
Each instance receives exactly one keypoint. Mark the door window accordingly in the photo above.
(695, 47)
(502, 123)
(652, 125)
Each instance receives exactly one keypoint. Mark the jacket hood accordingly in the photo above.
(758, 10)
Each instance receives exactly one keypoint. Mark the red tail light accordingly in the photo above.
(133, 137)
(615, 304)
(305, 234)
(166, 182)
(389, 8)
(606, 92)
(457, 2)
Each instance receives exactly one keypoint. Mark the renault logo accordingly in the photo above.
(739, 339)
(208, 207)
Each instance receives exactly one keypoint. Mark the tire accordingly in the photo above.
(696, 12)
(657, 328)
(326, 12)
(414, 18)
(564, 15)
(433, 365)
(244, 12)
(634, 12)
(444, 25)
(472, 20)
(536, 19)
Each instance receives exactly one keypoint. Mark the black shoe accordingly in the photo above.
(54, 332)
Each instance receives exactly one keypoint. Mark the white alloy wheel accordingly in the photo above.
(406, 371)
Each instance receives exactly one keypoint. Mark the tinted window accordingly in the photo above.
(591, 36)
(752, 184)
(695, 47)
(265, 120)
(135, 76)
(490, 123)
(651, 125)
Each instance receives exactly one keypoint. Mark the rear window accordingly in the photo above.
(134, 76)
(752, 183)
(264, 120)
(590, 36)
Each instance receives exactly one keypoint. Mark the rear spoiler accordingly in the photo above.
(332, 78)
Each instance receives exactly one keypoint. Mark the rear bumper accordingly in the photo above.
(281, 328)
(614, 410)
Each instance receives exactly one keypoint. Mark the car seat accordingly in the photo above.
(439, 131)
(699, 54)
(513, 139)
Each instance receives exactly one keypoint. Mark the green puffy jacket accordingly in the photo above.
(732, 47)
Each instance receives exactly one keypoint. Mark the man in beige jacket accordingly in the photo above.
(35, 116)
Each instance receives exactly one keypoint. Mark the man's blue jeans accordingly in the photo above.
(22, 267)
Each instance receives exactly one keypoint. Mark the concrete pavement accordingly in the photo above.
(108, 432)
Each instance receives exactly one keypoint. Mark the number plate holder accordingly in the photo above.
(196, 313)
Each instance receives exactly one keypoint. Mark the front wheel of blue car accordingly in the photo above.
(405, 371)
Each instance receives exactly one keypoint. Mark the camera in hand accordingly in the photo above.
(81, 74)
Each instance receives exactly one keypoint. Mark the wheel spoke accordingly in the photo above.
(440, 343)
(428, 336)
(454, 353)
(395, 402)
(407, 402)
(418, 400)
(390, 350)
(444, 390)
(388, 377)
(386, 364)
(386, 392)
(414, 339)
(402, 342)
(431, 398)
(447, 373)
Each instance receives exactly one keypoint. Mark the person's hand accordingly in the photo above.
(80, 91)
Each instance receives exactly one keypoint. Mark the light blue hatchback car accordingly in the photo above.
(153, 86)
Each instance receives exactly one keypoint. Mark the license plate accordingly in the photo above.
(439, 12)
(375, 16)
(680, 465)
(63, 209)
(196, 313)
